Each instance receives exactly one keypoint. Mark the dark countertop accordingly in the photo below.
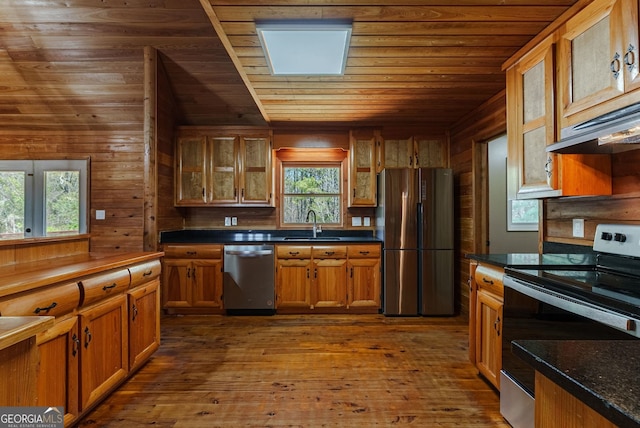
(531, 260)
(203, 236)
(605, 375)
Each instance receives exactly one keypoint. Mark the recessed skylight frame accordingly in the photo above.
(305, 48)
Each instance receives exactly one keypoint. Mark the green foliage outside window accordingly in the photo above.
(62, 201)
(11, 204)
(315, 188)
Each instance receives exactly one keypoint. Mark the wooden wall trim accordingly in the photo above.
(150, 176)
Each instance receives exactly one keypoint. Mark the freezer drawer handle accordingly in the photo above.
(257, 253)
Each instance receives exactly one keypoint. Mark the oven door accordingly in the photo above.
(532, 312)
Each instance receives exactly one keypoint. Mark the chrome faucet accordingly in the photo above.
(315, 225)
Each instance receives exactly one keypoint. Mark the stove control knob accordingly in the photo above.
(606, 236)
(620, 237)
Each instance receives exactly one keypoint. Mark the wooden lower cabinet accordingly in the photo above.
(192, 281)
(58, 374)
(325, 278)
(144, 322)
(485, 320)
(104, 348)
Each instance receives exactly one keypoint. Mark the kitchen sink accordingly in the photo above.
(311, 238)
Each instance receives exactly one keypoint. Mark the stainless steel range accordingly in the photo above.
(600, 301)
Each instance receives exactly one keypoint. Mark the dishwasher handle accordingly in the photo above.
(249, 253)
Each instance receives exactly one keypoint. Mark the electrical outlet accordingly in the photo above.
(356, 221)
(100, 214)
(234, 221)
(578, 228)
(367, 221)
(227, 221)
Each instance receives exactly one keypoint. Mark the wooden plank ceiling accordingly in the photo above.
(78, 64)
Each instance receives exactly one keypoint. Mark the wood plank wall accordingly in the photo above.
(116, 175)
(488, 121)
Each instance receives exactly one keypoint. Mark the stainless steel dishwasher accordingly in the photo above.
(248, 286)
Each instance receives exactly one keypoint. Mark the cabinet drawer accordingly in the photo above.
(193, 251)
(293, 252)
(363, 251)
(144, 272)
(106, 284)
(329, 252)
(52, 301)
(490, 278)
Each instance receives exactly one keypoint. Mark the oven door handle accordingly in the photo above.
(587, 310)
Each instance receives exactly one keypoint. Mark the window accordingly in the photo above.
(43, 198)
(311, 179)
(314, 188)
(522, 215)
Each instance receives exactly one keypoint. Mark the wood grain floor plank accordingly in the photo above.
(305, 371)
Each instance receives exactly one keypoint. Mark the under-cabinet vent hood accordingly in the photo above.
(613, 132)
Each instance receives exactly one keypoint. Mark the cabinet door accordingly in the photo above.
(104, 349)
(177, 283)
(489, 336)
(362, 177)
(531, 124)
(59, 349)
(473, 297)
(430, 153)
(191, 171)
(144, 322)
(293, 283)
(364, 283)
(256, 185)
(207, 283)
(224, 170)
(329, 288)
(398, 153)
(591, 58)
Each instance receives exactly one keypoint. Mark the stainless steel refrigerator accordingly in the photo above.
(414, 218)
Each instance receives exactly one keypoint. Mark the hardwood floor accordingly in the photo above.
(305, 371)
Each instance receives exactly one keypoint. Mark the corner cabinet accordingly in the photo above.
(533, 172)
(218, 168)
(362, 167)
(485, 320)
(598, 60)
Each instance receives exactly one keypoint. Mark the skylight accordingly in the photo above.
(305, 47)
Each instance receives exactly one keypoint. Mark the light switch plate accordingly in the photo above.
(356, 221)
(101, 215)
(227, 221)
(367, 221)
(234, 221)
(578, 228)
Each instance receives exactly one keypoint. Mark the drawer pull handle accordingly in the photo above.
(364, 253)
(76, 344)
(46, 308)
(487, 281)
(294, 253)
(147, 273)
(107, 287)
(192, 253)
(87, 337)
(134, 310)
(329, 253)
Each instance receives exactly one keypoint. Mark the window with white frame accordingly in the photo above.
(522, 215)
(43, 198)
(314, 188)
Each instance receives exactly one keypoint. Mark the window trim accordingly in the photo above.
(306, 157)
(521, 227)
(34, 215)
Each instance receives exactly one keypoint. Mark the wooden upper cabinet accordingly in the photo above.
(191, 171)
(598, 60)
(256, 170)
(224, 170)
(362, 167)
(227, 169)
(531, 126)
(430, 152)
(530, 117)
(398, 153)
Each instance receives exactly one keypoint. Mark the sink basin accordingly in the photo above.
(311, 238)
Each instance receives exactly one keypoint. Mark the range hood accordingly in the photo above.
(613, 132)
